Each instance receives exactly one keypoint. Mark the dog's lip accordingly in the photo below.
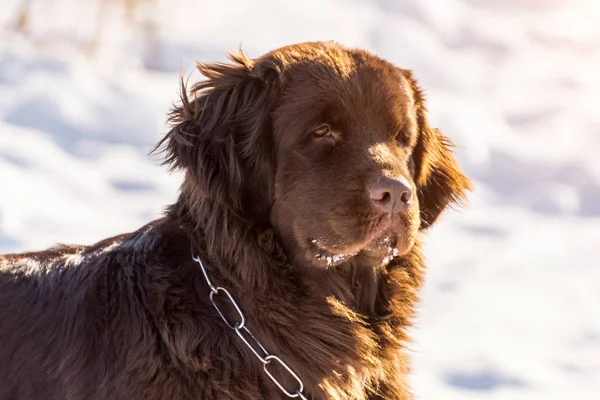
(380, 240)
(320, 245)
(384, 248)
(326, 255)
(376, 226)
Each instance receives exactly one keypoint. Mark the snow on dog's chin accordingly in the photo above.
(392, 252)
(326, 258)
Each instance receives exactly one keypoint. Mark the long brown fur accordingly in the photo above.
(130, 317)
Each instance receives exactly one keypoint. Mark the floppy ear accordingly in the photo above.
(438, 177)
(221, 134)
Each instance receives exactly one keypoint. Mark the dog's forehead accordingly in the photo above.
(353, 90)
(375, 92)
(365, 84)
(328, 64)
(384, 85)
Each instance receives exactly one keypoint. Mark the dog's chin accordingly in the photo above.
(318, 254)
(380, 250)
(386, 248)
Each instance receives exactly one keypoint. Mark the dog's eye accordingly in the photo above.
(403, 137)
(322, 130)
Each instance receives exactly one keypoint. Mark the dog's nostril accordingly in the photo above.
(380, 194)
(405, 197)
(386, 197)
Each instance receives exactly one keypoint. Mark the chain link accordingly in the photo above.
(241, 330)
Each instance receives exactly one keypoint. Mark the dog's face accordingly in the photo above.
(330, 145)
(344, 180)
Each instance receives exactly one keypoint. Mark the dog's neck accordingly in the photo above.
(351, 318)
(227, 241)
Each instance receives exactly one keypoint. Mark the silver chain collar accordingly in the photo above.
(242, 330)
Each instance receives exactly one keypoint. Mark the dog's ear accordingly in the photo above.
(438, 177)
(221, 135)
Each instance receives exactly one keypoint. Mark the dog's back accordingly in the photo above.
(51, 322)
(78, 322)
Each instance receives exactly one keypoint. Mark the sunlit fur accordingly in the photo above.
(130, 317)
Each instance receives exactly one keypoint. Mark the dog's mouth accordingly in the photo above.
(380, 238)
(385, 249)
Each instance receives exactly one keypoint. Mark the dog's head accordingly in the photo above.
(329, 145)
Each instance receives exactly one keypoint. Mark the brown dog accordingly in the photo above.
(310, 173)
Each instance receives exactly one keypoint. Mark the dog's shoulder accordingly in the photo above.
(65, 268)
(47, 263)
(35, 269)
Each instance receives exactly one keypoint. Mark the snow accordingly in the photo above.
(511, 304)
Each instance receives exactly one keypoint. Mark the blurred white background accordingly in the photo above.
(511, 306)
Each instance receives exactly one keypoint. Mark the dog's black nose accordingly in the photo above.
(391, 195)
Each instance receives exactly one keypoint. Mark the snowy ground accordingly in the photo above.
(511, 307)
